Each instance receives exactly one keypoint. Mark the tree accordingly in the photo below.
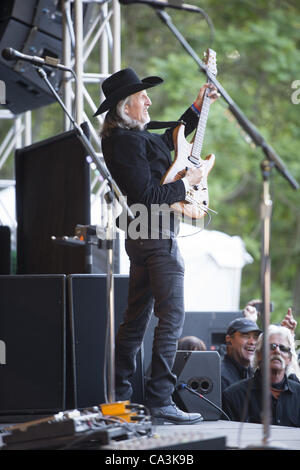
(257, 45)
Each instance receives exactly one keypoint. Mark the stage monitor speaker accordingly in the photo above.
(5, 250)
(200, 371)
(89, 318)
(52, 197)
(32, 344)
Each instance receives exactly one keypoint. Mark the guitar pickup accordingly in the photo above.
(193, 160)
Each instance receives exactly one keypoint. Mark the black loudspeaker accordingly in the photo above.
(32, 344)
(18, 9)
(5, 250)
(52, 197)
(200, 371)
(19, 29)
(34, 28)
(88, 319)
(211, 327)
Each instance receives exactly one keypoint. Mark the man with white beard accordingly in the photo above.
(242, 401)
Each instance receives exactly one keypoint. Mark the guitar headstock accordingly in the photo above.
(211, 61)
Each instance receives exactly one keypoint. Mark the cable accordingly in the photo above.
(209, 24)
(200, 230)
(186, 387)
(105, 424)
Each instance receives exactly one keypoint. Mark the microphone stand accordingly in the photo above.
(265, 214)
(242, 120)
(114, 192)
(272, 160)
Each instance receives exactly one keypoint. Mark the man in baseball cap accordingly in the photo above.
(243, 325)
(241, 339)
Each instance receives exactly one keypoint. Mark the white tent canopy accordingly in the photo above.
(214, 262)
(213, 268)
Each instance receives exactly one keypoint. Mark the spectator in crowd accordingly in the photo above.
(289, 321)
(191, 343)
(242, 401)
(251, 312)
(241, 339)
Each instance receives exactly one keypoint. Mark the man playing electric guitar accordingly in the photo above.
(137, 159)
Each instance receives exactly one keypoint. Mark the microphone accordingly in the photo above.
(12, 54)
(177, 4)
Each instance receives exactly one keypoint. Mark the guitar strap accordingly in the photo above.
(163, 124)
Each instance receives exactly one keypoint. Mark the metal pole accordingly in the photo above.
(18, 130)
(27, 129)
(79, 60)
(116, 36)
(79, 113)
(266, 211)
(67, 53)
(110, 297)
(104, 62)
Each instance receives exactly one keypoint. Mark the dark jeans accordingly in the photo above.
(156, 281)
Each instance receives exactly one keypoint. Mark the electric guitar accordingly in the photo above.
(188, 155)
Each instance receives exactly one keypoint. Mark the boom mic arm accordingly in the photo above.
(178, 5)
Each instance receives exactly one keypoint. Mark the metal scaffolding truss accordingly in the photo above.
(104, 32)
(102, 35)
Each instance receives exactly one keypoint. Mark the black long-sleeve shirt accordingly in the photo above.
(243, 402)
(232, 372)
(137, 160)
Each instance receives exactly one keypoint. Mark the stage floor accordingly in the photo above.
(215, 435)
(208, 435)
(241, 435)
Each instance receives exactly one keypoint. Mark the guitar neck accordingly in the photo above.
(200, 131)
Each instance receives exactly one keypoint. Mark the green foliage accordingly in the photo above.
(257, 46)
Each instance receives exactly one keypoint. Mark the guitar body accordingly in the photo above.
(197, 203)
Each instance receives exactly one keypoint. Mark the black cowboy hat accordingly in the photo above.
(122, 84)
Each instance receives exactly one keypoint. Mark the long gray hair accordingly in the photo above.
(116, 117)
(293, 366)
